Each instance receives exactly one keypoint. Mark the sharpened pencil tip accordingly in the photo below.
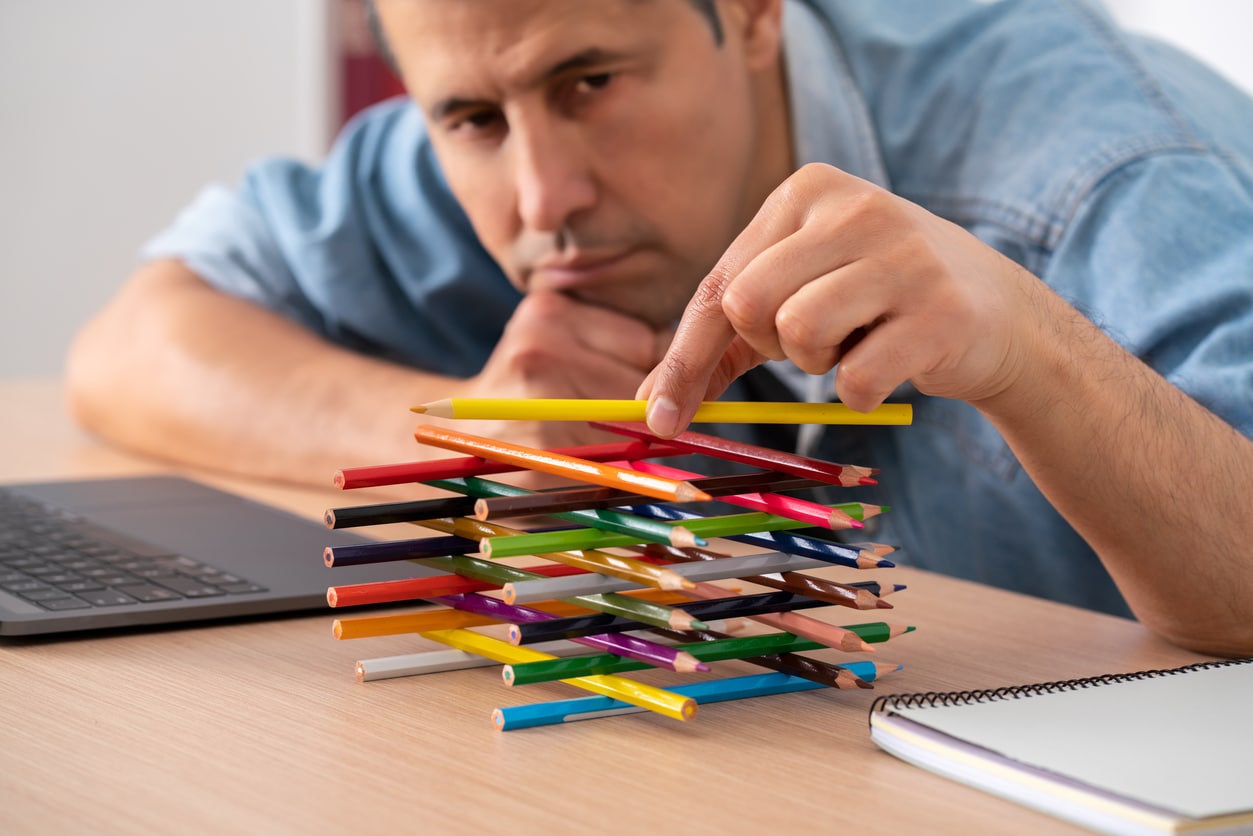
(883, 605)
(421, 410)
(866, 480)
(698, 625)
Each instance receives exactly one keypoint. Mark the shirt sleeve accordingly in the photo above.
(369, 250)
(1160, 256)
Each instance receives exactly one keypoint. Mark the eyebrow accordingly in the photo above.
(580, 60)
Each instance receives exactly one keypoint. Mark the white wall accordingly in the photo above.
(112, 115)
(1216, 30)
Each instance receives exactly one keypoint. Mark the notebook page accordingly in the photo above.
(1183, 742)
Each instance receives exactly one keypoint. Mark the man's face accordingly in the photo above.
(610, 149)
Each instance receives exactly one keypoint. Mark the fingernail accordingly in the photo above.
(663, 417)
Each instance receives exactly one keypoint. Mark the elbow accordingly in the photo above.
(85, 379)
(1230, 641)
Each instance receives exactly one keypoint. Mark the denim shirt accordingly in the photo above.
(1113, 167)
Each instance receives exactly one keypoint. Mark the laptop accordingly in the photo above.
(97, 554)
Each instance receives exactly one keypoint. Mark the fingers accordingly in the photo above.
(706, 353)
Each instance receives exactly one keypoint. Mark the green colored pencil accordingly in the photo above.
(542, 542)
(705, 651)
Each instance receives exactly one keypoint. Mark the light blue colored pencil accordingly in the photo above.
(713, 690)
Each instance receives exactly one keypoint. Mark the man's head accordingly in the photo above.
(608, 148)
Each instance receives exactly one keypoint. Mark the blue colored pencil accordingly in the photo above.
(714, 690)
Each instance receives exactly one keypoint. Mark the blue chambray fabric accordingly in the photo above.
(1115, 168)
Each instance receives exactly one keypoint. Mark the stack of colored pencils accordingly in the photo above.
(628, 572)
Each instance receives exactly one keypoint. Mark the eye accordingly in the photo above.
(592, 83)
(476, 123)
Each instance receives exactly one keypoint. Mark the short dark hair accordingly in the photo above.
(707, 8)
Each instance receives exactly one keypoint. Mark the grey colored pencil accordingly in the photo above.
(547, 589)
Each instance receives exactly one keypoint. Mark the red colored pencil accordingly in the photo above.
(409, 589)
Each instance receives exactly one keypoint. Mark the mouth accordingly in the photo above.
(574, 271)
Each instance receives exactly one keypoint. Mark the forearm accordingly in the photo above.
(179, 371)
(1154, 482)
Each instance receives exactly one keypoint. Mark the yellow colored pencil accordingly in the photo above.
(724, 412)
(655, 699)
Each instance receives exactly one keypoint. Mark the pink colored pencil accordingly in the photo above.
(373, 476)
(692, 442)
(782, 505)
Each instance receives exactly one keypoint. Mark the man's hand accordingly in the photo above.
(557, 347)
(836, 270)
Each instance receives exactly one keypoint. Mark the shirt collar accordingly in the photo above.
(830, 120)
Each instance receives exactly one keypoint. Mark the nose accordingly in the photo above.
(553, 176)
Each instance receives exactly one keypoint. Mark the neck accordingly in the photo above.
(777, 158)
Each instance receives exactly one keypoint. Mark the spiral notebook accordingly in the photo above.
(1162, 751)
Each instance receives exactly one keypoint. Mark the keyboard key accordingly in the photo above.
(106, 598)
(149, 593)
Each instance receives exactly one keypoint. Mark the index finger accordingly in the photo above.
(705, 342)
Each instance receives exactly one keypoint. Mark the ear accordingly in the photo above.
(760, 25)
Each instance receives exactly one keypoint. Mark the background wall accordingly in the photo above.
(113, 114)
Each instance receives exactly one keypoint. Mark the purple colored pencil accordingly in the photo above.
(630, 647)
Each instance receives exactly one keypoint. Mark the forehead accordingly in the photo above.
(488, 46)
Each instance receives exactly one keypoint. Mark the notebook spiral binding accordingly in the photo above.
(934, 698)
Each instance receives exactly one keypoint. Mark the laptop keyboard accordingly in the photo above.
(62, 562)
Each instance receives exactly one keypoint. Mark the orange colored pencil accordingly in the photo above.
(547, 461)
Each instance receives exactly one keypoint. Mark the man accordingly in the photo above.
(973, 166)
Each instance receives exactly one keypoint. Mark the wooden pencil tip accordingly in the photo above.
(683, 538)
(687, 492)
(883, 605)
(421, 410)
(866, 480)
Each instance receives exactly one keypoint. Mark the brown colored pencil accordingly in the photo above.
(569, 499)
(547, 461)
(832, 592)
(373, 476)
(823, 673)
(752, 454)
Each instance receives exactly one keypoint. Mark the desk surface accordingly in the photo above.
(261, 727)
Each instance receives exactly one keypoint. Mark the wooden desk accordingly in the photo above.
(261, 727)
